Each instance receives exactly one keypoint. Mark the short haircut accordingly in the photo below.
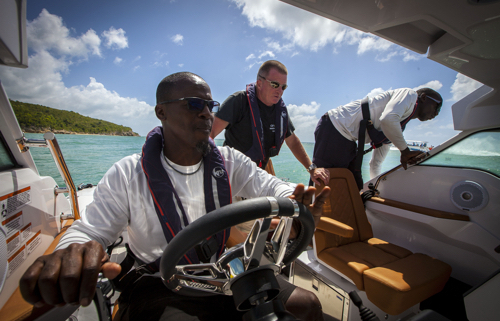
(270, 64)
(431, 92)
(169, 83)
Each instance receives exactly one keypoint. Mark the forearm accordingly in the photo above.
(217, 126)
(298, 150)
(378, 157)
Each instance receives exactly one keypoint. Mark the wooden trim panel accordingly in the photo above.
(420, 209)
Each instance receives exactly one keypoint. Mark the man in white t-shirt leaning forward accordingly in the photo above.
(179, 176)
(339, 129)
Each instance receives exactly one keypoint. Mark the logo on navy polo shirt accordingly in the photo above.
(218, 172)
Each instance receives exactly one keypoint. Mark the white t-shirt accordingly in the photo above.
(122, 200)
(387, 111)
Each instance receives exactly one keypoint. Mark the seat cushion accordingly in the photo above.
(390, 248)
(398, 285)
(354, 259)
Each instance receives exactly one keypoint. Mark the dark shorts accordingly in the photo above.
(149, 300)
(332, 150)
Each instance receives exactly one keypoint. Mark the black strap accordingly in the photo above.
(128, 275)
(205, 250)
(362, 130)
(371, 192)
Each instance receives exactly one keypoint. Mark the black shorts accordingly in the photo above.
(149, 300)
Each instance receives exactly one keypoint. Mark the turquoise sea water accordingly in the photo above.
(89, 157)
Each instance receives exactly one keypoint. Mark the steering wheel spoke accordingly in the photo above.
(203, 277)
(279, 240)
(255, 254)
(256, 242)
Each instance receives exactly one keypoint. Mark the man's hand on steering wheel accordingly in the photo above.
(306, 197)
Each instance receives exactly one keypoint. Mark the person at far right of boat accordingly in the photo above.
(378, 121)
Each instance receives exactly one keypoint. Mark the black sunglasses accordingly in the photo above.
(439, 103)
(275, 84)
(197, 104)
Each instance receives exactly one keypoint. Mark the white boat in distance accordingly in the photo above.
(419, 145)
(425, 247)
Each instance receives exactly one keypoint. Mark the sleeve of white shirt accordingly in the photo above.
(249, 181)
(378, 157)
(106, 217)
(393, 114)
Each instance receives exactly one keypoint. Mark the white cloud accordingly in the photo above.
(55, 51)
(387, 57)
(463, 86)
(369, 43)
(117, 60)
(180, 65)
(267, 53)
(408, 55)
(258, 60)
(304, 120)
(309, 31)
(48, 33)
(433, 84)
(374, 92)
(115, 38)
(177, 39)
(161, 64)
(276, 46)
(301, 28)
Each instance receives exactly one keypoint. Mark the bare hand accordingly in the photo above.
(305, 197)
(409, 157)
(67, 276)
(320, 174)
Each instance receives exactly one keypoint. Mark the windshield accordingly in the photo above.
(478, 151)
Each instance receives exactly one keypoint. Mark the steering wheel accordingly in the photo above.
(255, 255)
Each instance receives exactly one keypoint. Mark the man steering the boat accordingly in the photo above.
(257, 122)
(154, 195)
(379, 121)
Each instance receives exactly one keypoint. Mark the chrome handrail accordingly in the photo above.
(418, 159)
(51, 143)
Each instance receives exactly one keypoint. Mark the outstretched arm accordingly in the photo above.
(67, 276)
(293, 142)
(409, 157)
(218, 126)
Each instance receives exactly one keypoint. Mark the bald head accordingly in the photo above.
(172, 82)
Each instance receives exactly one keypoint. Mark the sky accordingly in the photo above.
(104, 59)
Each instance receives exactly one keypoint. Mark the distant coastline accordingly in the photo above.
(40, 130)
(38, 119)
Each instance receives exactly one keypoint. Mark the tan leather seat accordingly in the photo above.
(393, 277)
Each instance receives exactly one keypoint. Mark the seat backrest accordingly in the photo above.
(344, 205)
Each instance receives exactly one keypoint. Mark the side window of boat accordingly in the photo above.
(6, 159)
(478, 151)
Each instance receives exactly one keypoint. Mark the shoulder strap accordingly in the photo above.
(167, 203)
(361, 134)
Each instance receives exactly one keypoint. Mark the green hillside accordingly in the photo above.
(39, 119)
